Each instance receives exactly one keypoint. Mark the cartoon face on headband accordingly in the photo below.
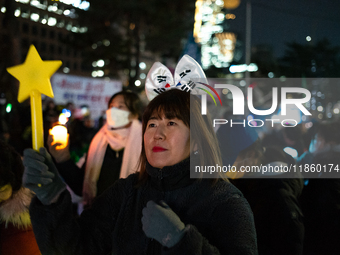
(160, 79)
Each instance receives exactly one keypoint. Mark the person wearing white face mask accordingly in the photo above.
(112, 152)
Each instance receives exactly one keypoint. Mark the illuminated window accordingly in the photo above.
(69, 26)
(100, 73)
(75, 29)
(41, 4)
(52, 8)
(17, 12)
(35, 3)
(83, 30)
(84, 5)
(35, 17)
(25, 13)
(23, 1)
(44, 21)
(60, 23)
(52, 21)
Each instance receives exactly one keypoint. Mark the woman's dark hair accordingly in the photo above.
(176, 103)
(11, 167)
(132, 101)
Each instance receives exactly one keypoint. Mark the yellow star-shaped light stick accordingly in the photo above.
(34, 77)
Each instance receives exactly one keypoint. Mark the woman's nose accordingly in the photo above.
(159, 132)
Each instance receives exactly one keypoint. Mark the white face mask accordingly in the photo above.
(117, 118)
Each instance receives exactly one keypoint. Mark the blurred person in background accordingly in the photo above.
(321, 195)
(81, 132)
(112, 153)
(286, 137)
(16, 233)
(273, 197)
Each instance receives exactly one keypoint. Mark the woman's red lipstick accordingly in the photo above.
(158, 149)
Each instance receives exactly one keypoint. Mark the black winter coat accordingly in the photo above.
(218, 219)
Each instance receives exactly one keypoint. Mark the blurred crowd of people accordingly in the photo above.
(294, 213)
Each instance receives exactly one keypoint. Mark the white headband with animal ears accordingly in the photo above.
(160, 79)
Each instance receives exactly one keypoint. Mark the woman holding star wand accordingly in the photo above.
(34, 76)
(159, 210)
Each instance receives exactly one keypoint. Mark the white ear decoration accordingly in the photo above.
(160, 79)
(187, 73)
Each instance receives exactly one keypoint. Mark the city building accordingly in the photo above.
(48, 25)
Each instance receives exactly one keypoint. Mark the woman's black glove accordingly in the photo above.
(162, 224)
(41, 176)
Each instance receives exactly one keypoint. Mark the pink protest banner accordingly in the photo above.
(94, 92)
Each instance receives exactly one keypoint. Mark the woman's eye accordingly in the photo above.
(151, 125)
(171, 123)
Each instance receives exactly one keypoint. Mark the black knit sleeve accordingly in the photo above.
(231, 231)
(57, 231)
(72, 175)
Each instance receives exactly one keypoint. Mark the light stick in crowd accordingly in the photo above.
(59, 132)
(34, 77)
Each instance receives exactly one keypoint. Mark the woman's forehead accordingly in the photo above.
(117, 100)
(161, 114)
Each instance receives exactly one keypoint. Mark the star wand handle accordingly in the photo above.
(34, 77)
(36, 117)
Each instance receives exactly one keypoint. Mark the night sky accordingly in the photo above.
(275, 22)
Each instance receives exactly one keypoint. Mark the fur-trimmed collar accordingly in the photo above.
(15, 210)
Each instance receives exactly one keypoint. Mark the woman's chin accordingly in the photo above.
(157, 164)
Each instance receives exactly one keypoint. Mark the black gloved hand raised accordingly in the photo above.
(41, 176)
(162, 224)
